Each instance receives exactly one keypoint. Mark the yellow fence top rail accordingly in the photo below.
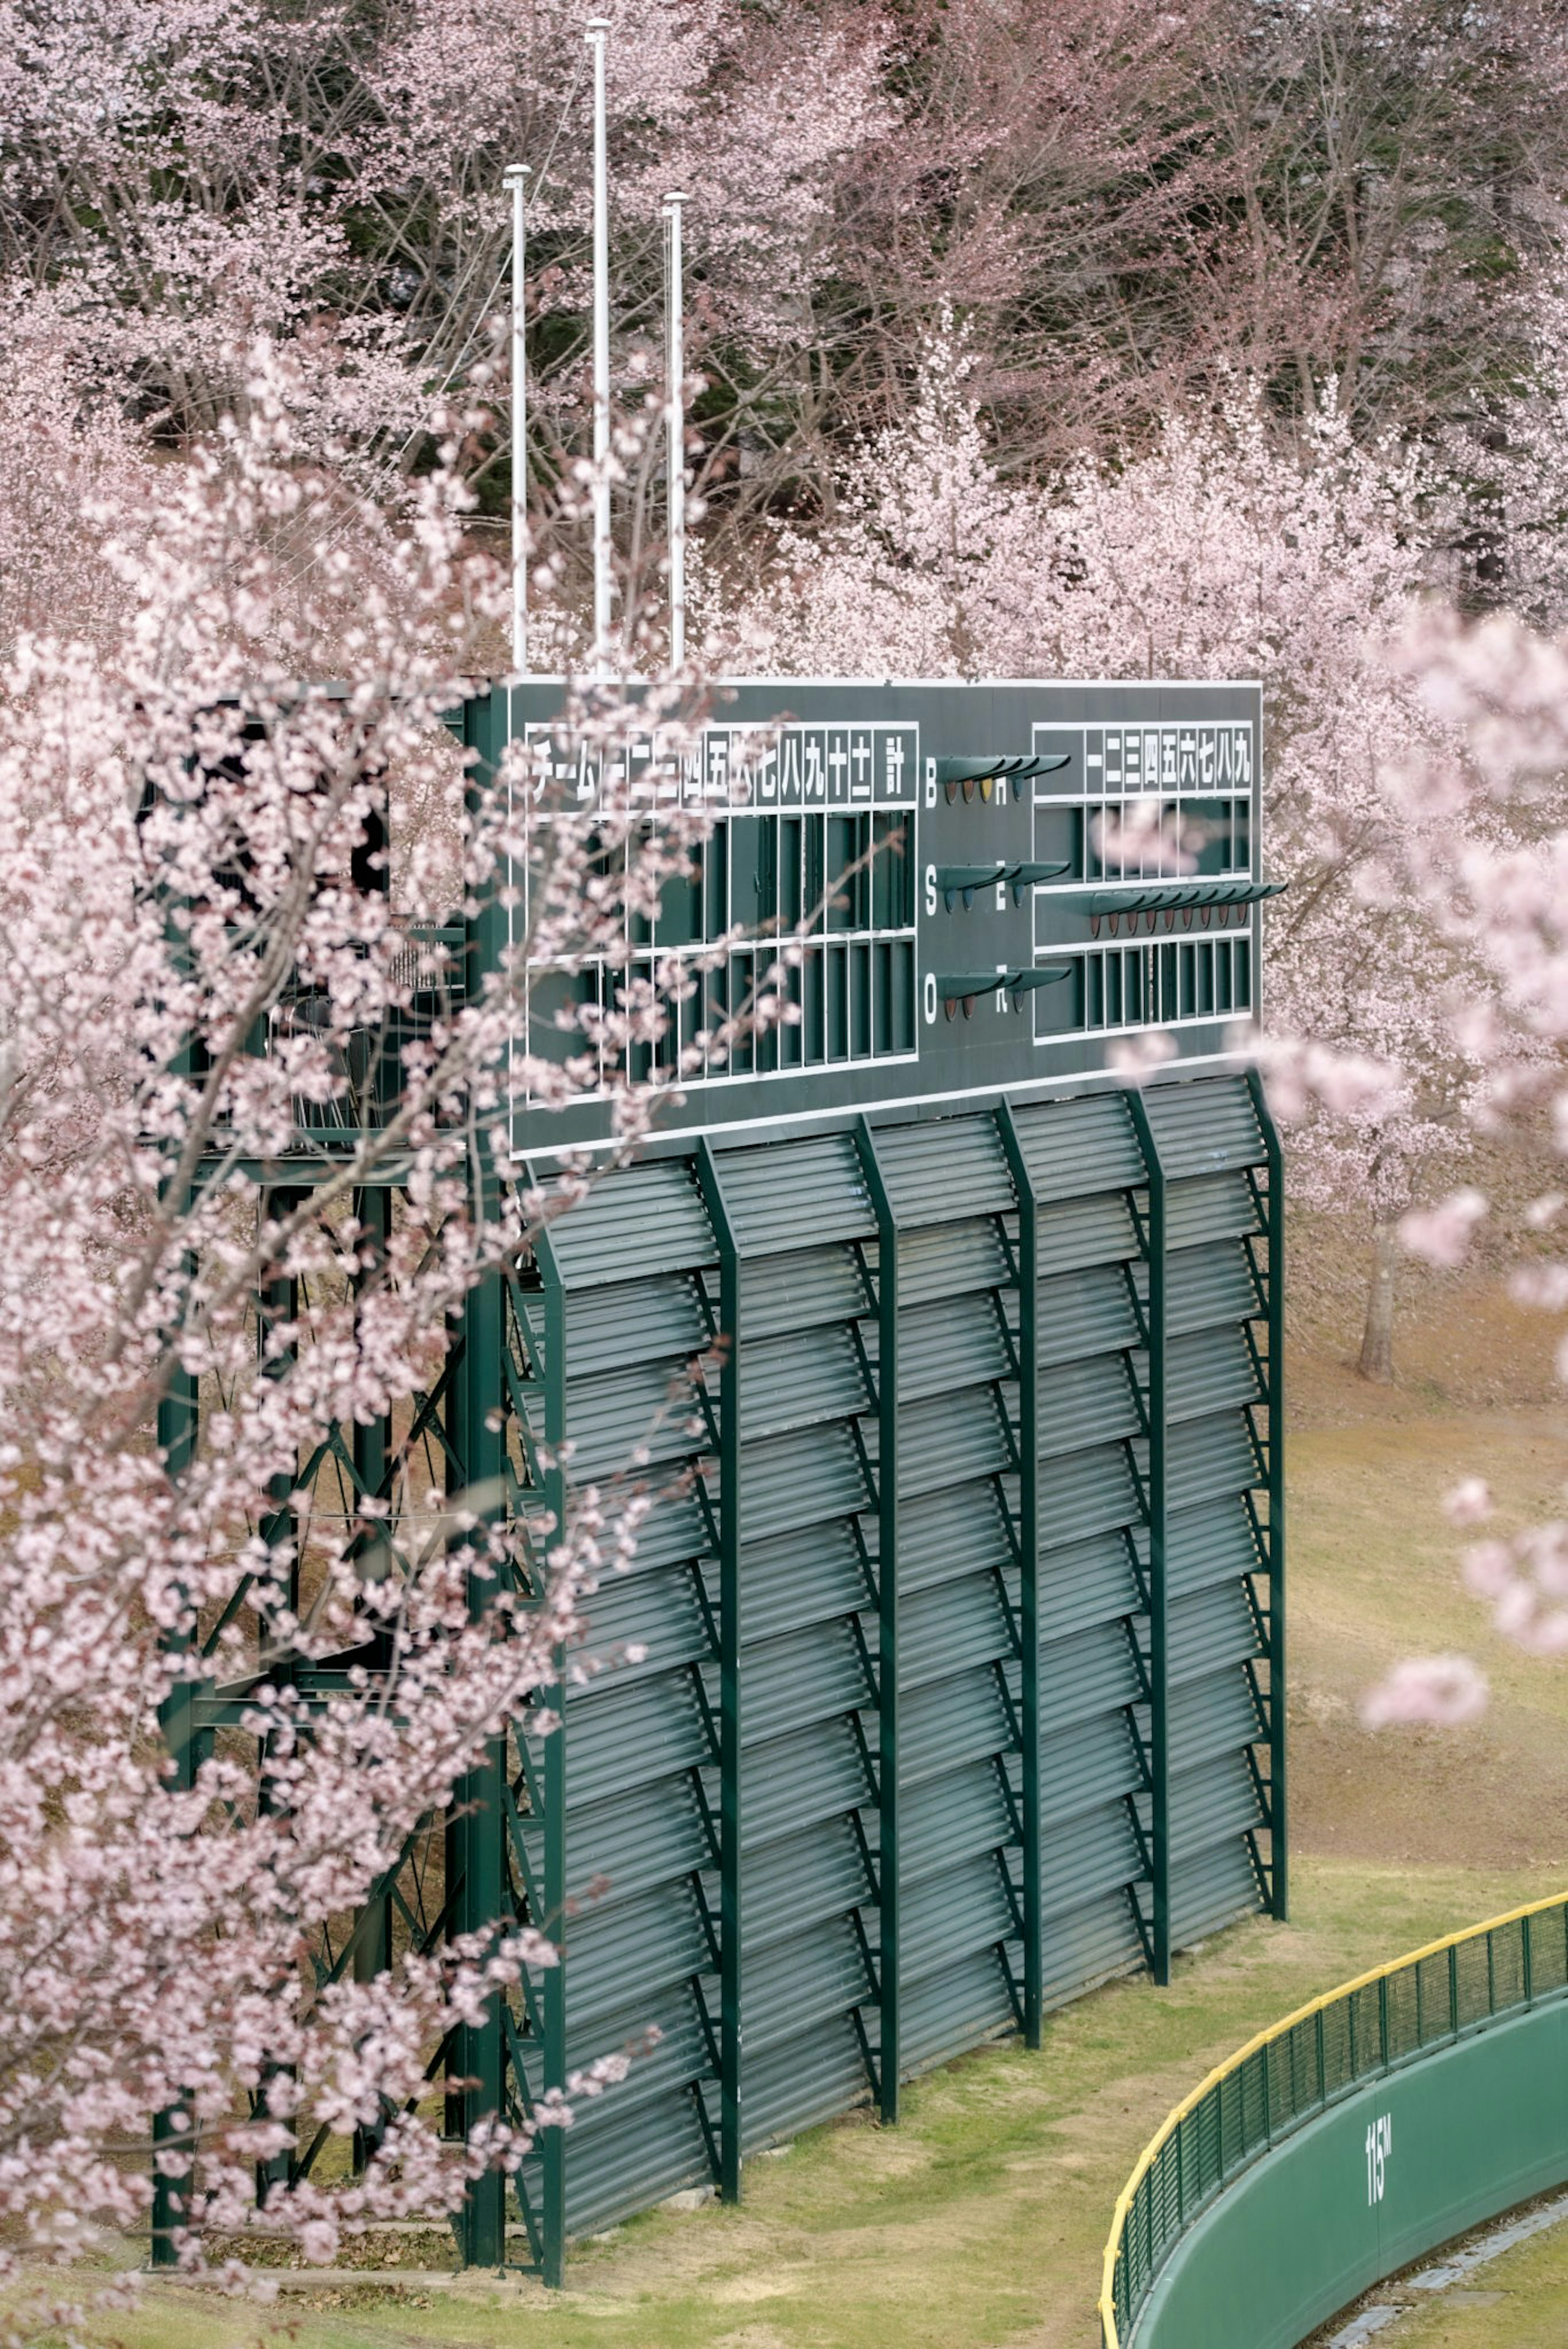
(1264, 2038)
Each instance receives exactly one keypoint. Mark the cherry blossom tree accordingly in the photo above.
(1224, 550)
(208, 967)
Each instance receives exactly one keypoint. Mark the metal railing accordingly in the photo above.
(1298, 2067)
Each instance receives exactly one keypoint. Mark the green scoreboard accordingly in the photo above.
(946, 1681)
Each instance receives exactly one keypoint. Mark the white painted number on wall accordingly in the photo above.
(1379, 2137)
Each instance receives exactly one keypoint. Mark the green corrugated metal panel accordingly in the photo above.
(1089, 1312)
(1088, 1402)
(661, 1612)
(1087, 1765)
(799, 1578)
(1216, 1625)
(813, 1774)
(805, 1676)
(952, 1260)
(650, 1217)
(1205, 1124)
(629, 1321)
(801, 1879)
(819, 1974)
(962, 1811)
(949, 1438)
(955, 1342)
(1091, 1945)
(641, 1836)
(795, 1379)
(614, 2170)
(660, 1721)
(1208, 1207)
(1092, 1854)
(1209, 1457)
(952, 2011)
(1211, 1282)
(1087, 1582)
(804, 2081)
(1079, 1232)
(1208, 1543)
(792, 2087)
(945, 1535)
(1207, 1715)
(796, 1194)
(1216, 1799)
(679, 2054)
(1207, 1368)
(674, 1527)
(801, 1292)
(955, 1625)
(1074, 1148)
(954, 1722)
(656, 1408)
(1088, 1674)
(1212, 1890)
(654, 1939)
(1088, 1492)
(949, 1917)
(798, 1479)
(950, 1168)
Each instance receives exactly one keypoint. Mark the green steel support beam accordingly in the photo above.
(889, 1888)
(1279, 1813)
(731, 1500)
(1158, 1594)
(553, 1771)
(1029, 1567)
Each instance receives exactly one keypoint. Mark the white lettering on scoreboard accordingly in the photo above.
(742, 770)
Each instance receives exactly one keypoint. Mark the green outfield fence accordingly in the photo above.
(1308, 2064)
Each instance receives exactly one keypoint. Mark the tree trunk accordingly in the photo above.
(1378, 1338)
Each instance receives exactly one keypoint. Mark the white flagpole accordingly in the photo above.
(598, 36)
(516, 179)
(675, 425)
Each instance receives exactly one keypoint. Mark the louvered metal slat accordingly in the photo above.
(949, 1168)
(1216, 1799)
(1208, 1369)
(798, 1578)
(1211, 1208)
(1208, 1714)
(1086, 1765)
(660, 2063)
(673, 1528)
(1211, 1282)
(1211, 1627)
(1085, 1403)
(789, 1986)
(802, 1879)
(655, 1939)
(1096, 1853)
(953, 1722)
(946, 1817)
(800, 1379)
(814, 1773)
(1205, 1123)
(641, 1836)
(795, 1195)
(1210, 1544)
(1090, 1581)
(804, 2081)
(948, 1916)
(806, 1676)
(1089, 1312)
(1091, 1945)
(1081, 1232)
(1073, 1148)
(801, 1292)
(1091, 1673)
(1211, 1457)
(958, 1342)
(637, 1321)
(955, 2009)
(944, 1535)
(949, 1439)
(952, 1261)
(951, 1628)
(661, 1612)
(1087, 1492)
(1213, 1889)
(799, 1479)
(654, 1409)
(659, 2149)
(650, 1218)
(659, 1720)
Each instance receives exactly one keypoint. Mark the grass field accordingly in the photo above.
(980, 2220)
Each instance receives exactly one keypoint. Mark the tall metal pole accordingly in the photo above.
(598, 39)
(516, 180)
(675, 422)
